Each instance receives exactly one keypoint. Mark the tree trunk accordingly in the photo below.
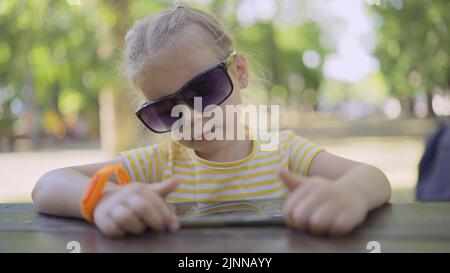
(35, 132)
(407, 107)
(118, 127)
(431, 113)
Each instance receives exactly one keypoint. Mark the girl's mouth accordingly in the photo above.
(204, 134)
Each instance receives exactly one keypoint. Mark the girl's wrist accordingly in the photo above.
(109, 190)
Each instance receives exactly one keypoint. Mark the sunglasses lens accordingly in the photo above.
(213, 87)
(158, 117)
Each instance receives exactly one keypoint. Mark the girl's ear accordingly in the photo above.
(240, 70)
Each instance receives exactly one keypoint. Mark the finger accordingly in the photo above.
(302, 211)
(108, 227)
(166, 187)
(126, 219)
(290, 179)
(297, 196)
(145, 208)
(321, 219)
(167, 215)
(343, 225)
(141, 207)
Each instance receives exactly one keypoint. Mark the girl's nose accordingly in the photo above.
(193, 116)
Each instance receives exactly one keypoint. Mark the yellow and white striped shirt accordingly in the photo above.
(253, 177)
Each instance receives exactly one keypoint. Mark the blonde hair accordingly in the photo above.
(152, 36)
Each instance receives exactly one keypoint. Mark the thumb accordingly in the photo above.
(290, 179)
(166, 187)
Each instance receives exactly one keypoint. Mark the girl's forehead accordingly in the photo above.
(176, 68)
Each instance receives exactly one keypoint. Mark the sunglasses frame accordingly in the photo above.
(224, 64)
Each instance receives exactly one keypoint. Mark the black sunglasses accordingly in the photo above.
(213, 85)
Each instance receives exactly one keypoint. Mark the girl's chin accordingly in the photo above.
(199, 143)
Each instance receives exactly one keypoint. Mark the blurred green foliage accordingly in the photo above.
(414, 46)
(56, 57)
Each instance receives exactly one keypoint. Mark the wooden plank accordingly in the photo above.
(400, 227)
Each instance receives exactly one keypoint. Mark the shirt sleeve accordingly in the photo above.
(146, 164)
(301, 153)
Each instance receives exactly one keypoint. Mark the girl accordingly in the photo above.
(177, 55)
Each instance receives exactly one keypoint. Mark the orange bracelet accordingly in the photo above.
(95, 189)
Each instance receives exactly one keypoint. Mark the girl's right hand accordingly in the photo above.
(134, 207)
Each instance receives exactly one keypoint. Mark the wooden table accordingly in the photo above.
(415, 227)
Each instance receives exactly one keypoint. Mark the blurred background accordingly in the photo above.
(367, 79)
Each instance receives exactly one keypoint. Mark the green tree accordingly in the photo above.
(413, 47)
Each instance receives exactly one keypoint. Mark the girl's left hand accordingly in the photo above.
(322, 206)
